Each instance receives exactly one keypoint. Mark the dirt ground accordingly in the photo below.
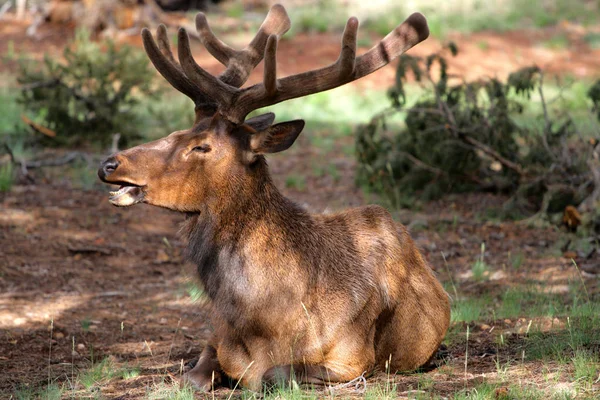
(81, 280)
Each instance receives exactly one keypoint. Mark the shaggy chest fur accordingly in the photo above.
(286, 267)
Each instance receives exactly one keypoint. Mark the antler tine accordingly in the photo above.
(347, 68)
(216, 47)
(270, 72)
(277, 22)
(240, 63)
(206, 83)
(411, 32)
(165, 64)
(348, 53)
(163, 43)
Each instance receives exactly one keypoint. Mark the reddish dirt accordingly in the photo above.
(77, 273)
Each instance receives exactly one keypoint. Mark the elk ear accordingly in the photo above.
(276, 138)
(261, 122)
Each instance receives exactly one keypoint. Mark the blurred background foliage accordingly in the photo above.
(90, 94)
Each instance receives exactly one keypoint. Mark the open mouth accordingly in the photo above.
(127, 195)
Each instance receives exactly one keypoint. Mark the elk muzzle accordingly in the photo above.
(128, 193)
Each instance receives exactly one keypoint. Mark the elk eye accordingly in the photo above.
(203, 148)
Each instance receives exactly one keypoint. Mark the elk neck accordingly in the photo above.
(248, 208)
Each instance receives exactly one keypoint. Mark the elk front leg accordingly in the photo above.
(352, 356)
(306, 374)
(207, 372)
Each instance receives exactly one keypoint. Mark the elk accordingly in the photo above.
(310, 297)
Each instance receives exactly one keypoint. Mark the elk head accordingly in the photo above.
(218, 156)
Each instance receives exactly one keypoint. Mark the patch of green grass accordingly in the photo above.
(387, 20)
(489, 391)
(364, 41)
(50, 392)
(172, 112)
(592, 39)
(295, 181)
(466, 17)
(318, 171)
(333, 171)
(85, 324)
(84, 176)
(483, 45)
(387, 391)
(470, 309)
(289, 392)
(559, 41)
(235, 9)
(10, 55)
(516, 260)
(529, 302)
(580, 334)
(163, 391)
(322, 141)
(484, 391)
(586, 366)
(98, 374)
(320, 16)
(9, 108)
(563, 96)
(130, 373)
(349, 150)
(479, 268)
(6, 177)
(339, 109)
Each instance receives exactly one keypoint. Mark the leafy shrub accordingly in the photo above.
(91, 94)
(465, 137)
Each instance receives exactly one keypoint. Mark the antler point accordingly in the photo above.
(201, 18)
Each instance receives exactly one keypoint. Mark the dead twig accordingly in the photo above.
(492, 153)
(57, 162)
(89, 249)
(423, 165)
(37, 127)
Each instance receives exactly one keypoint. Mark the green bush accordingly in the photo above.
(91, 94)
(466, 137)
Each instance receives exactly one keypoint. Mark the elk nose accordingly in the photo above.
(107, 167)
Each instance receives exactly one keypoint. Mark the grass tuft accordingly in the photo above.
(50, 392)
(6, 177)
(479, 268)
(164, 391)
(98, 374)
(586, 366)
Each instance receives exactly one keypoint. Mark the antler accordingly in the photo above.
(207, 91)
(347, 68)
(223, 94)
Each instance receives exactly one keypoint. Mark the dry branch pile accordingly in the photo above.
(468, 137)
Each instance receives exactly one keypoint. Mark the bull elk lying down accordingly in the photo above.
(314, 298)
